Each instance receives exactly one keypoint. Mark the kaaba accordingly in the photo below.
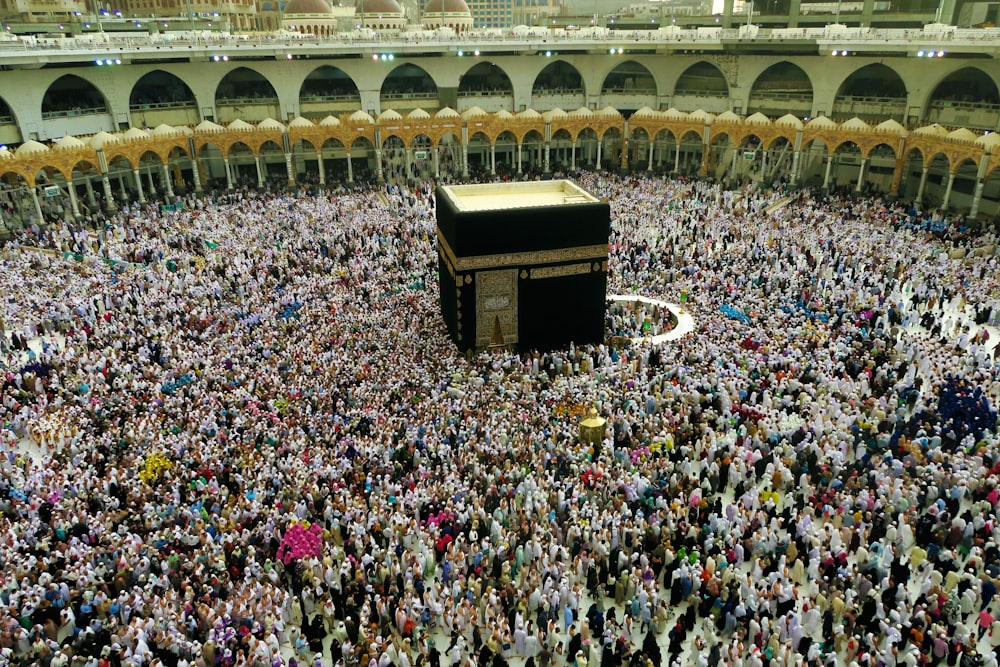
(522, 265)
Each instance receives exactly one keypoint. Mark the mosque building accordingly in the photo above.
(905, 111)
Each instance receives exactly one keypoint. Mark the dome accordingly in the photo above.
(891, 126)
(447, 112)
(446, 7)
(240, 125)
(418, 114)
(473, 112)
(301, 122)
(821, 123)
(99, 140)
(962, 134)
(307, 7)
(645, 112)
(610, 111)
(934, 130)
(378, 7)
(989, 141)
(31, 147)
(582, 112)
(758, 119)
(134, 133)
(358, 116)
(69, 142)
(855, 124)
(674, 114)
(702, 115)
(270, 124)
(788, 120)
(333, 121)
(164, 130)
(208, 126)
(727, 117)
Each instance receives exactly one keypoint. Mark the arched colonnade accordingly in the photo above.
(712, 146)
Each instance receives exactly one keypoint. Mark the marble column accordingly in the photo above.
(168, 187)
(947, 191)
(74, 205)
(109, 199)
(196, 175)
(138, 185)
(920, 188)
(321, 167)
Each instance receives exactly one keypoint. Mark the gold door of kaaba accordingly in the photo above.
(496, 308)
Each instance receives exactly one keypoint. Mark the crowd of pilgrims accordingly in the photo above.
(810, 478)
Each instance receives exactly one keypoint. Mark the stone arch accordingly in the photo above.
(479, 150)
(782, 88)
(880, 167)
(485, 78)
(854, 95)
(327, 88)
(10, 125)
(701, 86)
(532, 144)
(913, 164)
(629, 77)
(246, 94)
(418, 157)
(70, 93)
(506, 152)
(242, 161)
(394, 157)
(964, 184)
(362, 153)
(407, 82)
(7, 113)
(243, 83)
(558, 78)
(486, 85)
(586, 140)
(967, 96)
(159, 87)
(275, 168)
(612, 144)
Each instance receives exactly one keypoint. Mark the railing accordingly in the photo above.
(486, 93)
(67, 113)
(793, 96)
(628, 91)
(245, 101)
(904, 38)
(690, 92)
(856, 99)
(423, 95)
(349, 97)
(535, 92)
(149, 106)
(965, 106)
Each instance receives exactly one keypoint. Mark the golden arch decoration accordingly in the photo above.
(683, 130)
